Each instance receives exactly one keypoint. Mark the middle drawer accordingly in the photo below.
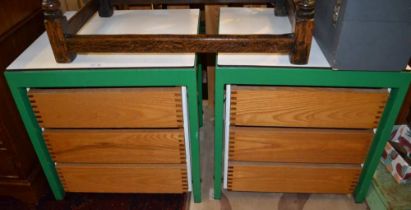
(116, 145)
(299, 145)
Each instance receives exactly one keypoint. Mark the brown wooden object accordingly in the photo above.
(202, 43)
(299, 145)
(108, 107)
(116, 146)
(66, 43)
(178, 6)
(301, 178)
(21, 22)
(307, 107)
(7, 168)
(80, 18)
(211, 13)
(124, 178)
(301, 14)
(57, 26)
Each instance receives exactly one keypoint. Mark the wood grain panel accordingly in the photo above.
(299, 145)
(108, 107)
(142, 178)
(81, 17)
(255, 5)
(211, 15)
(293, 178)
(13, 12)
(7, 168)
(116, 146)
(307, 107)
(136, 7)
(71, 5)
(21, 22)
(12, 131)
(56, 25)
(178, 6)
(181, 43)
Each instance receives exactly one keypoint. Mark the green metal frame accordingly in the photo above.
(20, 80)
(200, 93)
(397, 81)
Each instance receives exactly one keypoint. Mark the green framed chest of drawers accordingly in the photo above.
(305, 129)
(111, 123)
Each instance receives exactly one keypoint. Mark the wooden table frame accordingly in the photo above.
(190, 77)
(66, 43)
(398, 82)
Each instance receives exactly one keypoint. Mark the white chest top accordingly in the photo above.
(183, 21)
(261, 21)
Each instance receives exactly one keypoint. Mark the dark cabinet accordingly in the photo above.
(21, 22)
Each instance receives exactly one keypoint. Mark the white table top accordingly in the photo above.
(261, 21)
(183, 21)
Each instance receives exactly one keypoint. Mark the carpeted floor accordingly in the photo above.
(88, 201)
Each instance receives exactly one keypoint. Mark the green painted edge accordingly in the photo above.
(100, 78)
(35, 134)
(312, 77)
(194, 137)
(200, 93)
(218, 133)
(381, 137)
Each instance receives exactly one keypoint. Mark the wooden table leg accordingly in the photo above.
(211, 20)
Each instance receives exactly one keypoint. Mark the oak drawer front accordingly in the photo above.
(7, 168)
(293, 178)
(116, 145)
(307, 107)
(299, 145)
(108, 107)
(113, 178)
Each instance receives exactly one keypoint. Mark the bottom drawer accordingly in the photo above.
(303, 178)
(299, 145)
(124, 178)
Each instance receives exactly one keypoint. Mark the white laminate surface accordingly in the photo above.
(261, 21)
(184, 21)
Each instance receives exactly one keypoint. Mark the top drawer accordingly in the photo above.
(108, 107)
(307, 107)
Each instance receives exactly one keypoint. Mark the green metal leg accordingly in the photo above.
(381, 137)
(194, 136)
(200, 94)
(35, 134)
(218, 135)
